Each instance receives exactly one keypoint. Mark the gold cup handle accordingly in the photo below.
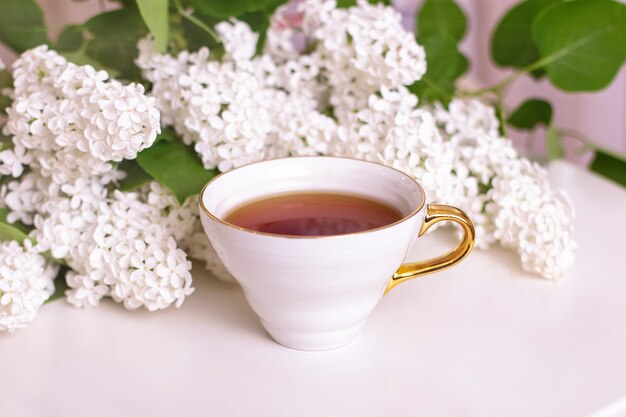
(437, 213)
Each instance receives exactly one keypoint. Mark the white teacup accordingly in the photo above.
(316, 292)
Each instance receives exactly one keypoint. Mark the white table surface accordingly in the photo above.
(482, 339)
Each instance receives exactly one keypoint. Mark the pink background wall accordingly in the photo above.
(600, 116)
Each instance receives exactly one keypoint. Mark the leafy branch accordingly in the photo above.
(499, 87)
(579, 46)
(588, 143)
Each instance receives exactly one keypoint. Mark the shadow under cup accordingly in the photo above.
(312, 292)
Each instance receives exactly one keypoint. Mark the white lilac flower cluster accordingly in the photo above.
(69, 126)
(69, 122)
(182, 222)
(26, 282)
(508, 198)
(333, 81)
(361, 49)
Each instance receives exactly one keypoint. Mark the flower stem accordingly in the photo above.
(188, 14)
(502, 113)
(496, 87)
(590, 143)
(500, 85)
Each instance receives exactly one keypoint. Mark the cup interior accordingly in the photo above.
(311, 174)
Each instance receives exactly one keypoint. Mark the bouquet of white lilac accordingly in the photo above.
(101, 177)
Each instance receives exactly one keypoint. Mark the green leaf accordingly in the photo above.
(429, 91)
(177, 167)
(80, 58)
(70, 39)
(5, 143)
(344, 4)
(582, 43)
(21, 24)
(610, 166)
(4, 212)
(531, 113)
(135, 176)
(445, 64)
(11, 232)
(512, 44)
(272, 5)
(155, 16)
(6, 81)
(443, 16)
(168, 134)
(197, 38)
(462, 65)
(538, 73)
(444, 59)
(114, 40)
(60, 285)
(553, 143)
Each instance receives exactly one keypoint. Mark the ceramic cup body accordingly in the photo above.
(312, 293)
